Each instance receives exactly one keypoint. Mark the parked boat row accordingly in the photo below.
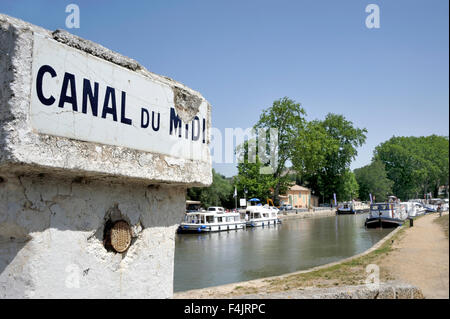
(394, 213)
(217, 219)
(381, 215)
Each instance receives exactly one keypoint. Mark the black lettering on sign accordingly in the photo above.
(91, 94)
(123, 118)
(146, 116)
(204, 129)
(110, 94)
(196, 136)
(175, 122)
(93, 97)
(42, 70)
(155, 128)
(69, 78)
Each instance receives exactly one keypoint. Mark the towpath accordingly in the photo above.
(421, 258)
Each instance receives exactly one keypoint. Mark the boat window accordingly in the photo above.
(210, 219)
(211, 209)
(191, 219)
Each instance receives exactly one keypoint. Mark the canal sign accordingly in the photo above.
(96, 154)
(80, 96)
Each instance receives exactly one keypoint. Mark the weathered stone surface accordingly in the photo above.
(51, 234)
(57, 193)
(24, 150)
(388, 290)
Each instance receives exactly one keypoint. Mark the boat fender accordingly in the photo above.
(199, 229)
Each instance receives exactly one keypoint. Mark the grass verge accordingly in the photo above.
(352, 272)
(443, 222)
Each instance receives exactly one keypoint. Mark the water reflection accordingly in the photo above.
(203, 260)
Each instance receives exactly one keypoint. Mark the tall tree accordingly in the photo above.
(416, 165)
(348, 187)
(249, 181)
(287, 117)
(372, 179)
(323, 153)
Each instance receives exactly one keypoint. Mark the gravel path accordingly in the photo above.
(421, 258)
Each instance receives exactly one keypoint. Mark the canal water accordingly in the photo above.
(204, 260)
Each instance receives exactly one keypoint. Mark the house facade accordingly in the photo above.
(299, 197)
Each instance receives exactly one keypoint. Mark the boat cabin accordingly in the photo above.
(210, 218)
(216, 209)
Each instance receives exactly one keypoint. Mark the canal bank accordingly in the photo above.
(345, 272)
(421, 257)
(210, 260)
(343, 278)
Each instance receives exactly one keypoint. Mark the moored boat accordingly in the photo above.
(353, 207)
(386, 215)
(258, 215)
(414, 208)
(213, 220)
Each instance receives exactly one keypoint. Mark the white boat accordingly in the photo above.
(193, 206)
(386, 215)
(414, 209)
(258, 215)
(436, 205)
(213, 220)
(353, 207)
(445, 206)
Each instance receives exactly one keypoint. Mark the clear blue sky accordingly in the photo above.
(243, 55)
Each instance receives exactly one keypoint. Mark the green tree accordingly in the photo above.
(250, 179)
(372, 179)
(347, 188)
(287, 117)
(220, 193)
(416, 165)
(323, 153)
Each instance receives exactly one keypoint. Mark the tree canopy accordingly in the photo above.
(220, 193)
(250, 179)
(372, 179)
(416, 165)
(323, 153)
(320, 152)
(287, 117)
